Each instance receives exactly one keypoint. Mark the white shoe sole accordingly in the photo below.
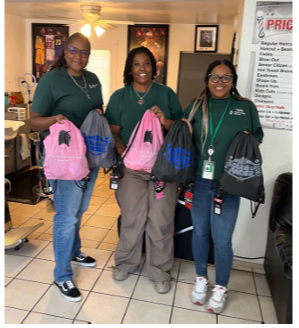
(90, 265)
(197, 301)
(71, 299)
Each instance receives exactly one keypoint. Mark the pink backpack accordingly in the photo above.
(145, 145)
(65, 153)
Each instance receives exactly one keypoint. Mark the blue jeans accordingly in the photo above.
(222, 228)
(70, 204)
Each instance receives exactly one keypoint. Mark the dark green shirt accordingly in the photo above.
(124, 110)
(56, 93)
(241, 115)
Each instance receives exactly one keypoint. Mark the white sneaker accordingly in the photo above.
(199, 291)
(218, 299)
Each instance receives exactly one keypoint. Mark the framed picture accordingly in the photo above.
(48, 42)
(155, 38)
(206, 38)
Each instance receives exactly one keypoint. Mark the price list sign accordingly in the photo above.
(271, 64)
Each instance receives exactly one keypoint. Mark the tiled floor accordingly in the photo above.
(30, 297)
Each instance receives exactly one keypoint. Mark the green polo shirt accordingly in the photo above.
(241, 115)
(56, 93)
(124, 110)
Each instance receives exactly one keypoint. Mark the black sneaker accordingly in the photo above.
(69, 291)
(85, 260)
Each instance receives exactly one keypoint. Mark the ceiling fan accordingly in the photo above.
(91, 14)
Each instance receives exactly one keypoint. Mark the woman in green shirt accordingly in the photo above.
(65, 93)
(220, 113)
(141, 210)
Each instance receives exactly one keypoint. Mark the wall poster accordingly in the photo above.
(271, 63)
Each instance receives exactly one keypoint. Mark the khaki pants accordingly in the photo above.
(142, 211)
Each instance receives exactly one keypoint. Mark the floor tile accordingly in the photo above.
(107, 285)
(46, 236)
(12, 206)
(17, 220)
(111, 201)
(108, 211)
(188, 273)
(26, 210)
(7, 280)
(102, 193)
(47, 253)
(173, 272)
(43, 319)
(146, 313)
(14, 264)
(85, 218)
(39, 270)
(33, 222)
(101, 221)
(54, 303)
(183, 316)
(258, 268)
(242, 265)
(92, 209)
(145, 291)
(24, 295)
(262, 285)
(93, 233)
(241, 281)
(84, 277)
(242, 306)
(45, 214)
(102, 309)
(98, 201)
(183, 297)
(109, 247)
(268, 310)
(111, 238)
(222, 320)
(14, 316)
(89, 243)
(100, 255)
(32, 248)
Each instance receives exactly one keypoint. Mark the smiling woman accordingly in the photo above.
(141, 209)
(68, 92)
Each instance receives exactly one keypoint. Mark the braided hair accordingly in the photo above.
(204, 96)
(60, 62)
(128, 77)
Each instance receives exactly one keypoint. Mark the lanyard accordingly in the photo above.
(213, 135)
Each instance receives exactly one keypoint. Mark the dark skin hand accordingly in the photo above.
(39, 122)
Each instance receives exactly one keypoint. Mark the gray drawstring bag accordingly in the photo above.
(99, 141)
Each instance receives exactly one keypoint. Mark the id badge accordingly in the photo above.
(114, 181)
(218, 201)
(208, 170)
(188, 199)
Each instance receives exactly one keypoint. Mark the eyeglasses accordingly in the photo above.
(225, 78)
(74, 51)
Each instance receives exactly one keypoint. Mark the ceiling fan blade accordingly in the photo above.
(105, 25)
(117, 22)
(59, 17)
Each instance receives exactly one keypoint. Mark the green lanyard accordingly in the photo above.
(213, 135)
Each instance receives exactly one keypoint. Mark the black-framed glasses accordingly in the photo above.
(74, 51)
(225, 78)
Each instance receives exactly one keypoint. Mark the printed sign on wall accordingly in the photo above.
(271, 64)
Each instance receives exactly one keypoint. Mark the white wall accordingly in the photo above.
(15, 51)
(250, 235)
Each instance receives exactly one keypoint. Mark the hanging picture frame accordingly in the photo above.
(206, 38)
(155, 38)
(48, 42)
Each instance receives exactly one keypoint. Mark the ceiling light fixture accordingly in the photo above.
(99, 30)
(86, 30)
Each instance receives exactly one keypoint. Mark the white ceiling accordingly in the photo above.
(162, 11)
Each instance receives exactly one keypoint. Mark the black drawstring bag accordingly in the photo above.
(176, 158)
(242, 175)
